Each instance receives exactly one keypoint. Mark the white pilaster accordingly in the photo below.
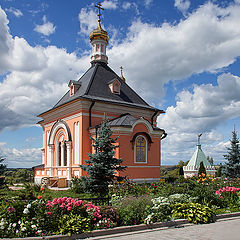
(69, 151)
(51, 152)
(62, 154)
(43, 155)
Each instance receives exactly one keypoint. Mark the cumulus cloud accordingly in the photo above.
(88, 20)
(201, 111)
(182, 5)
(108, 4)
(35, 77)
(14, 158)
(47, 28)
(207, 40)
(15, 11)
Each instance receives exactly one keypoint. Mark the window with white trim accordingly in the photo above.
(140, 149)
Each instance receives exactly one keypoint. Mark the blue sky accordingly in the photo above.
(181, 56)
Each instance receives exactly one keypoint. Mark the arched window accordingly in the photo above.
(140, 149)
(62, 153)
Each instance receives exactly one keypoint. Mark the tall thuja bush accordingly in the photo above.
(202, 169)
(102, 165)
(232, 167)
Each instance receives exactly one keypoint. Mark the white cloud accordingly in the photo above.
(128, 5)
(207, 40)
(47, 28)
(14, 11)
(88, 21)
(36, 77)
(182, 5)
(14, 158)
(201, 111)
(107, 4)
(147, 3)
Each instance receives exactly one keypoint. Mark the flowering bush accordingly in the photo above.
(229, 195)
(162, 207)
(37, 218)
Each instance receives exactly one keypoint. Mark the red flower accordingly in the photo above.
(42, 188)
(11, 209)
(49, 213)
(39, 197)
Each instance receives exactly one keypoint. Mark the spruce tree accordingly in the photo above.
(201, 169)
(102, 165)
(232, 166)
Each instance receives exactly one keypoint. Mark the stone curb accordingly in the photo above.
(124, 229)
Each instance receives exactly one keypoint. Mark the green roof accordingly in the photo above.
(199, 157)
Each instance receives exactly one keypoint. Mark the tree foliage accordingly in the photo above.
(201, 169)
(102, 164)
(232, 166)
(2, 166)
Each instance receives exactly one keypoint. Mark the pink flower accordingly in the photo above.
(49, 213)
(69, 208)
(11, 209)
(221, 196)
(217, 192)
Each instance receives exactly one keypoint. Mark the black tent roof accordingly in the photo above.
(94, 85)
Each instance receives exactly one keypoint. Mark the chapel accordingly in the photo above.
(100, 92)
(191, 170)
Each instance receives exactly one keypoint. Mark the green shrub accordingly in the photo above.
(77, 185)
(74, 224)
(133, 210)
(193, 212)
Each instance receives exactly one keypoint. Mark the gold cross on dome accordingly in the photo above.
(99, 11)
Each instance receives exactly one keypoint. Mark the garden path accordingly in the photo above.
(222, 229)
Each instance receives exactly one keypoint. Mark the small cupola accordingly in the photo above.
(115, 86)
(74, 86)
(99, 40)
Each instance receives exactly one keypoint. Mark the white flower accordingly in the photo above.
(25, 211)
(19, 222)
(33, 226)
(24, 229)
(29, 205)
(14, 225)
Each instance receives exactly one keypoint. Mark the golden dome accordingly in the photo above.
(99, 33)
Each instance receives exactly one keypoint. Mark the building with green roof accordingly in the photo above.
(193, 165)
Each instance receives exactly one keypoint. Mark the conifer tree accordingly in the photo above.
(181, 172)
(2, 166)
(219, 172)
(201, 169)
(102, 165)
(232, 167)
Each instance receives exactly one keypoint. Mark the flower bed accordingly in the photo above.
(38, 218)
(132, 204)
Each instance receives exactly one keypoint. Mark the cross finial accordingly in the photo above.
(98, 6)
(199, 135)
(122, 77)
